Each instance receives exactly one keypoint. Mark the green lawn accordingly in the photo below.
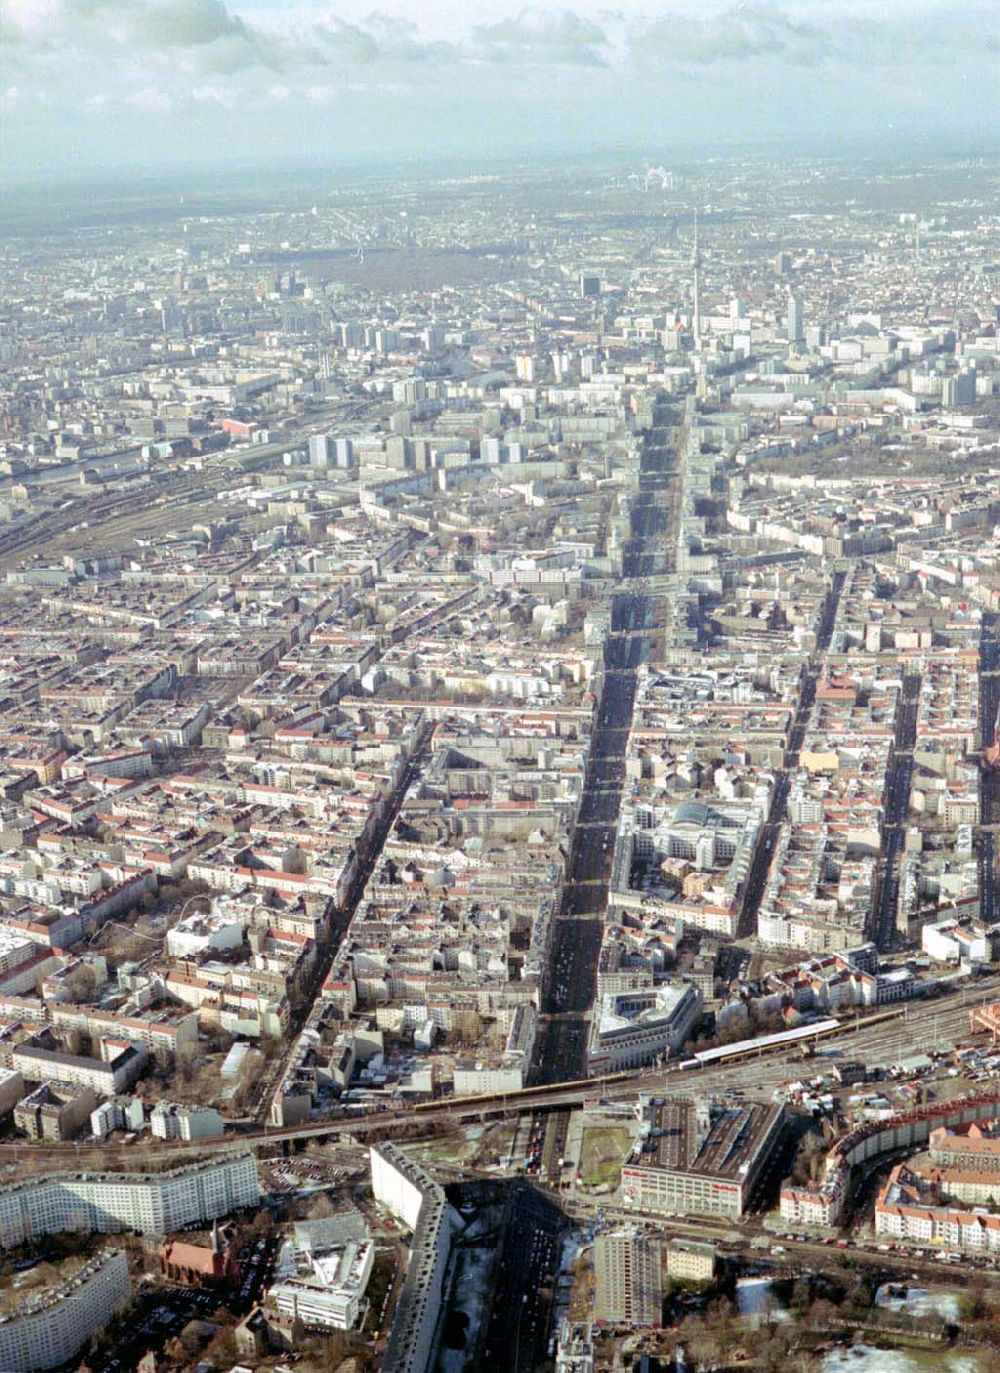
(604, 1147)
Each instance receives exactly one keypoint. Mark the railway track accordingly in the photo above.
(539, 1100)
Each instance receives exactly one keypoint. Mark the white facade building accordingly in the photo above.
(119, 1113)
(170, 1121)
(634, 1028)
(397, 1182)
(110, 1202)
(322, 1276)
(200, 933)
(51, 1329)
(478, 1079)
(399, 1189)
(959, 941)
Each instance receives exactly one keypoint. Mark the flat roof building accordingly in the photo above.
(633, 1028)
(153, 1203)
(322, 1275)
(690, 1260)
(411, 1194)
(49, 1329)
(628, 1269)
(700, 1157)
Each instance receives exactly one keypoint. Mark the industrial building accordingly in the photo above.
(700, 1157)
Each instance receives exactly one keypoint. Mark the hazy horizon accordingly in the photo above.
(105, 85)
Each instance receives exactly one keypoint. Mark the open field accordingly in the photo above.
(604, 1147)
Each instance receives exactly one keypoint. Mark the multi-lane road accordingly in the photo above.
(897, 802)
(568, 986)
(989, 783)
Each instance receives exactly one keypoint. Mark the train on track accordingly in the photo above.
(531, 1098)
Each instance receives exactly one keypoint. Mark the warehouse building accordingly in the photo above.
(700, 1157)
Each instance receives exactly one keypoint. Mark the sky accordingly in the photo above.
(106, 84)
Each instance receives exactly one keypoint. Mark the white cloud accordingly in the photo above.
(742, 34)
(213, 36)
(223, 96)
(149, 99)
(221, 39)
(603, 72)
(320, 96)
(542, 37)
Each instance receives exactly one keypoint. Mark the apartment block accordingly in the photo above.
(628, 1275)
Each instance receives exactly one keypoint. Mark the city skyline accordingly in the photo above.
(499, 687)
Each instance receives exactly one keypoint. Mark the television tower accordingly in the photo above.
(696, 264)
